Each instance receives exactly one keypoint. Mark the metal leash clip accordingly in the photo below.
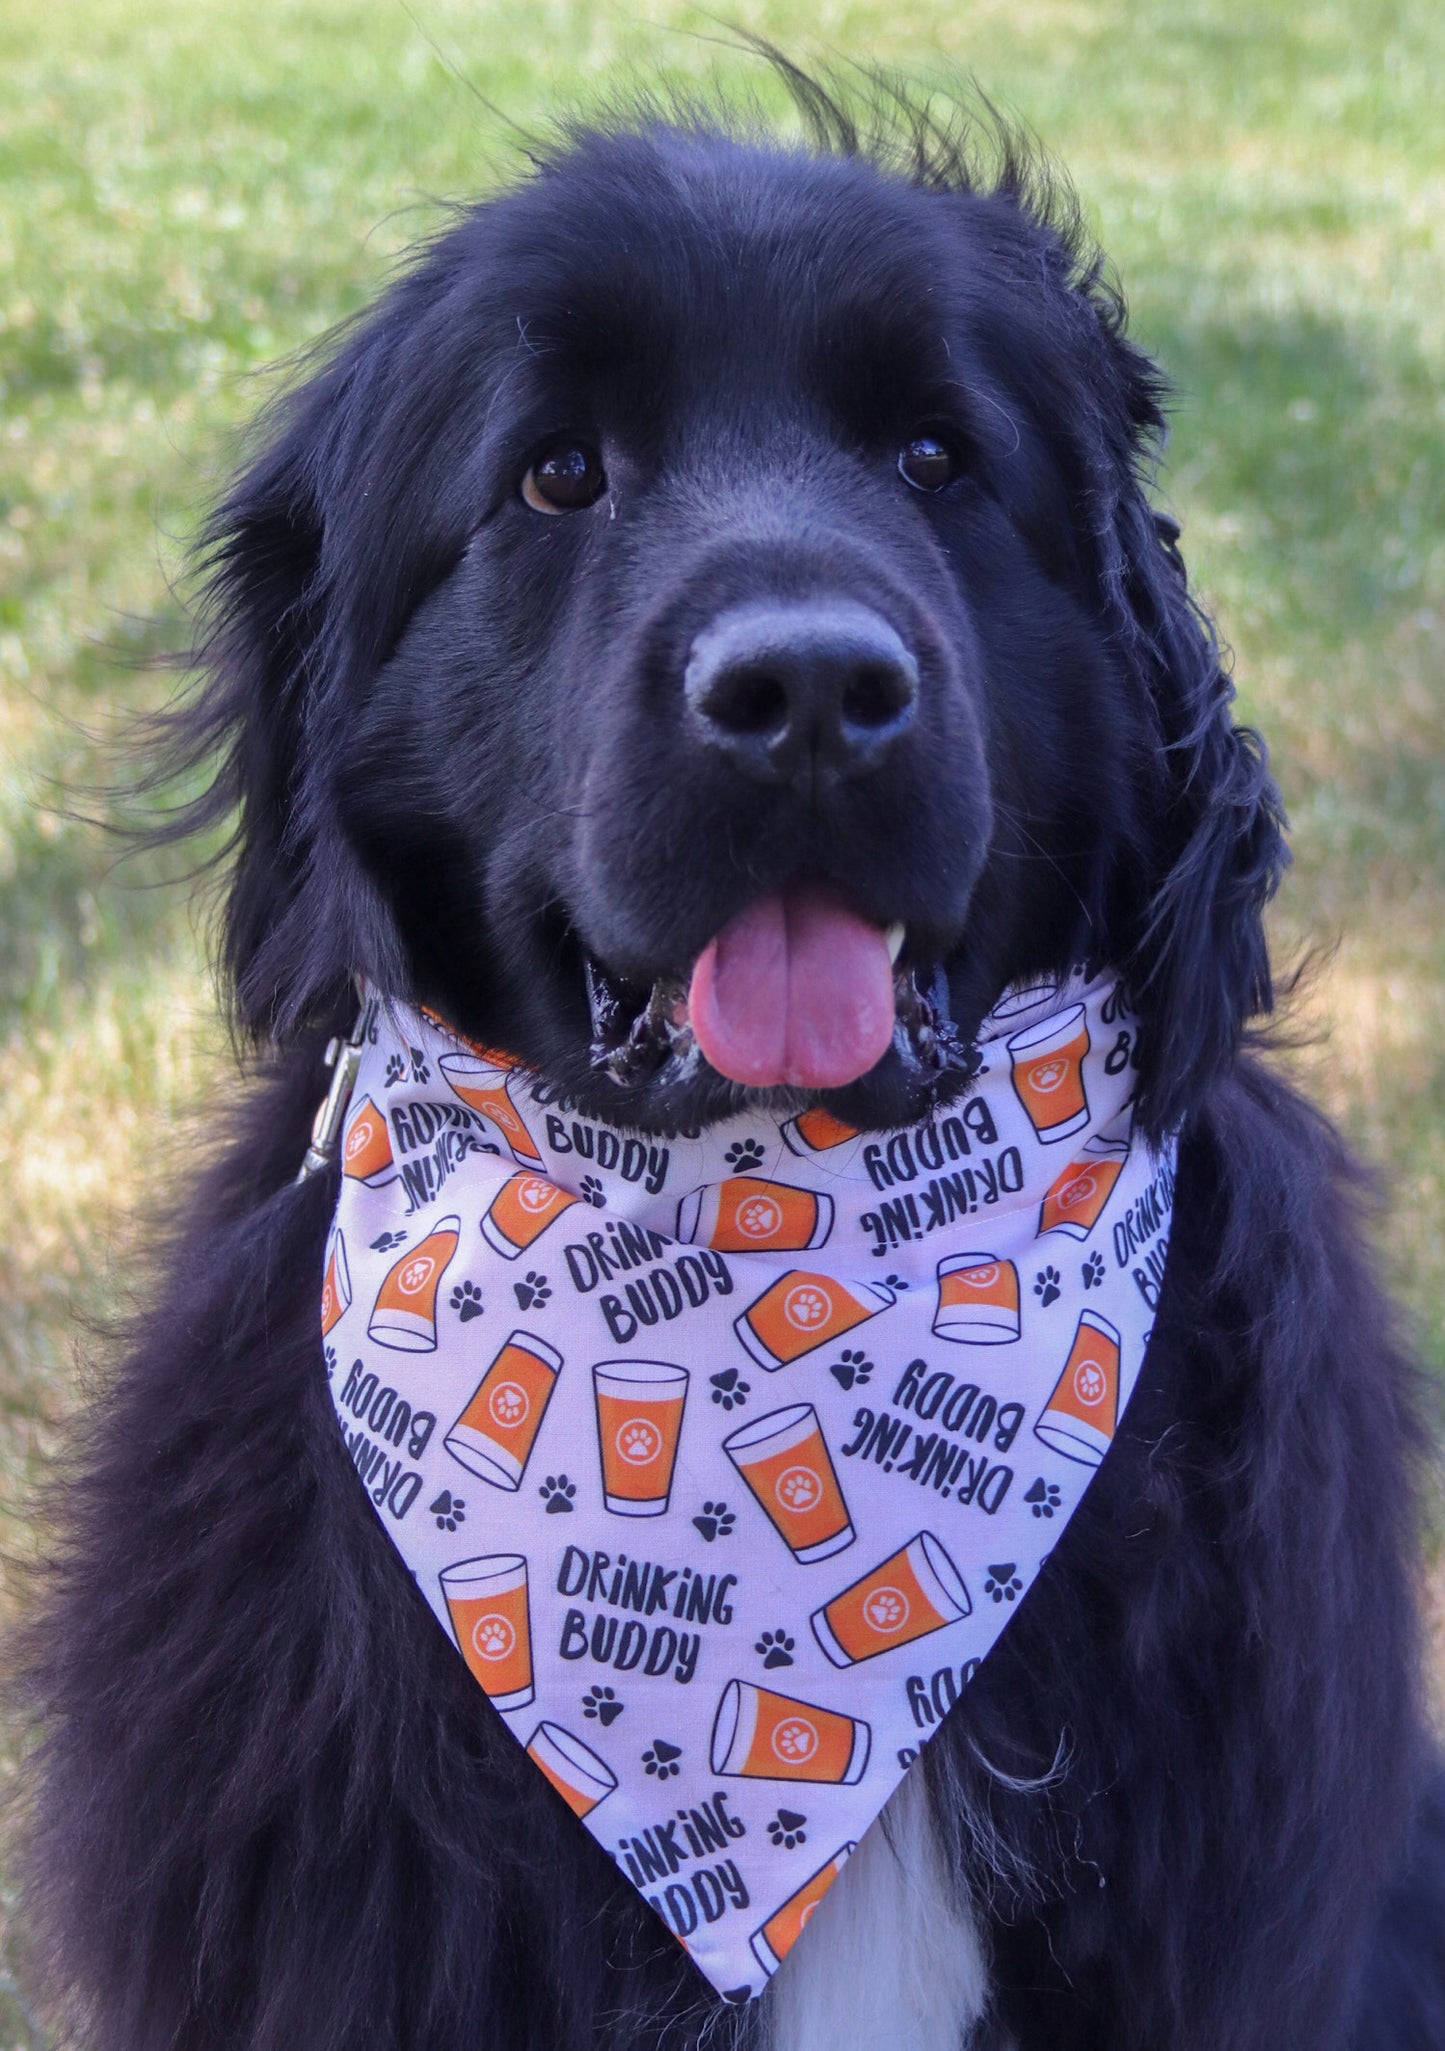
(343, 1058)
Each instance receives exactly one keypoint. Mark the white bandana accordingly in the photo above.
(724, 1460)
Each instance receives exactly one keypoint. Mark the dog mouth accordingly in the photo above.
(796, 992)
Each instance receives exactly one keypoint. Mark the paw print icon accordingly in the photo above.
(1093, 1271)
(1046, 1285)
(786, 1829)
(777, 1648)
(395, 1068)
(449, 1510)
(744, 1155)
(602, 1705)
(466, 1301)
(661, 1759)
(852, 1366)
(715, 1520)
(729, 1389)
(591, 1192)
(557, 1492)
(532, 1291)
(419, 1070)
(1003, 1583)
(1043, 1498)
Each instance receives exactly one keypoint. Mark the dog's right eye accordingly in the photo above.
(566, 478)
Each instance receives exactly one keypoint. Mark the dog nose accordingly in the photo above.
(802, 693)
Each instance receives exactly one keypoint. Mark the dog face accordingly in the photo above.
(715, 571)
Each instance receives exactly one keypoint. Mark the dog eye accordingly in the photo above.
(566, 478)
(928, 463)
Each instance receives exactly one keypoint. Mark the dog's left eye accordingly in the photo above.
(566, 478)
(928, 463)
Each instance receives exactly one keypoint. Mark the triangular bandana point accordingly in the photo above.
(724, 1461)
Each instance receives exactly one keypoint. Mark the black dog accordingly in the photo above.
(464, 696)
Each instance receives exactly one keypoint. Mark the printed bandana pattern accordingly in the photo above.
(724, 1460)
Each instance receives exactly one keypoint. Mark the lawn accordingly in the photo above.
(188, 192)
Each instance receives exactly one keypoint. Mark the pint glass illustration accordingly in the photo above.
(762, 1736)
(1048, 1073)
(784, 1460)
(801, 1311)
(1076, 1199)
(366, 1152)
(914, 1591)
(520, 1213)
(978, 1300)
(404, 1315)
(336, 1288)
(1079, 1418)
(816, 1132)
(481, 1083)
(639, 1421)
(574, 1769)
(772, 1943)
(487, 1601)
(747, 1215)
(494, 1436)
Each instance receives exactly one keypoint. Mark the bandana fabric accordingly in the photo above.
(723, 1460)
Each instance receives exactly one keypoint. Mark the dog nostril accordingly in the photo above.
(747, 702)
(877, 695)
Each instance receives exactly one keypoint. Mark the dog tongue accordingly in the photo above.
(795, 990)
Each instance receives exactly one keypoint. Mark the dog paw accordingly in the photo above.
(744, 1155)
(777, 1648)
(716, 1521)
(602, 1705)
(1003, 1584)
(449, 1510)
(786, 1829)
(532, 1291)
(1043, 1498)
(729, 1389)
(557, 1492)
(661, 1759)
(466, 1301)
(1046, 1285)
(852, 1367)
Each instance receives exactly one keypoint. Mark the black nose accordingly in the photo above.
(802, 693)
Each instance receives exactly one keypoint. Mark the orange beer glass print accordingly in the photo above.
(481, 1083)
(494, 1436)
(336, 1288)
(801, 1311)
(747, 1215)
(520, 1213)
(1077, 1197)
(784, 1460)
(366, 1154)
(1048, 1073)
(978, 1300)
(639, 1421)
(404, 1315)
(772, 1943)
(487, 1602)
(1079, 1418)
(816, 1132)
(914, 1591)
(762, 1736)
(574, 1769)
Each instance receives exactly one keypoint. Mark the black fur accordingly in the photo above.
(273, 1810)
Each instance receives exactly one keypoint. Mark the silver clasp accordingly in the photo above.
(343, 1058)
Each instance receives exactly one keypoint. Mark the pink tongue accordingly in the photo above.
(794, 990)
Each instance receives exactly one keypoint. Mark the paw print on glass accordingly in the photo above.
(777, 1648)
(602, 1705)
(661, 1759)
(1044, 1498)
(744, 1155)
(449, 1510)
(716, 1520)
(532, 1290)
(1046, 1285)
(419, 1070)
(786, 1829)
(729, 1389)
(385, 1241)
(557, 1492)
(1093, 1271)
(852, 1366)
(1003, 1583)
(591, 1192)
(395, 1069)
(466, 1301)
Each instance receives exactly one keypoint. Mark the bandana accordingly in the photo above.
(724, 1458)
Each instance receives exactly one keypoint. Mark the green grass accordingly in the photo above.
(190, 191)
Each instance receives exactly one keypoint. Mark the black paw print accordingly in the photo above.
(729, 1389)
(1043, 1498)
(716, 1521)
(557, 1493)
(385, 1241)
(449, 1510)
(786, 1829)
(1093, 1271)
(328, 1354)
(661, 1758)
(852, 1366)
(1046, 1285)
(896, 1281)
(395, 1069)
(466, 1301)
(744, 1155)
(1003, 1584)
(591, 1191)
(419, 1070)
(737, 1997)
(602, 1705)
(777, 1648)
(532, 1289)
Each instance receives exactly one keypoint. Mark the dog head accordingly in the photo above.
(712, 601)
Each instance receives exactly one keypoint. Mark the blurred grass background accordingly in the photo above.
(189, 190)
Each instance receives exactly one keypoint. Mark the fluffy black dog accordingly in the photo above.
(458, 600)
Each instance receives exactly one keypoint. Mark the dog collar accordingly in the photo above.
(724, 1459)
